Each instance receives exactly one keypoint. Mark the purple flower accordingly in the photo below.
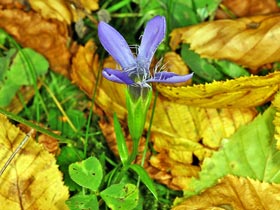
(136, 69)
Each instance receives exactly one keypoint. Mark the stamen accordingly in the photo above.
(134, 48)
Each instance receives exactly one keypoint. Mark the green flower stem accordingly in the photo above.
(149, 130)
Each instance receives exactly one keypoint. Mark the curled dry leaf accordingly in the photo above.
(242, 8)
(235, 193)
(250, 42)
(46, 37)
(241, 92)
(32, 180)
(64, 10)
(182, 135)
(50, 144)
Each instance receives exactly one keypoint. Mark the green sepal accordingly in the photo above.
(138, 100)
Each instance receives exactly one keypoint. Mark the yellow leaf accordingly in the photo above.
(251, 41)
(236, 193)
(276, 122)
(63, 10)
(32, 180)
(55, 9)
(241, 92)
(184, 135)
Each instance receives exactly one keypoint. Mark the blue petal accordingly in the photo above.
(169, 77)
(153, 35)
(117, 76)
(116, 45)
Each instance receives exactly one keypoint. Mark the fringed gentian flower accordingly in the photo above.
(136, 71)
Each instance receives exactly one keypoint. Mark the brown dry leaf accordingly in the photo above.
(32, 180)
(8, 4)
(50, 38)
(251, 41)
(242, 8)
(236, 193)
(182, 135)
(50, 144)
(64, 10)
(238, 93)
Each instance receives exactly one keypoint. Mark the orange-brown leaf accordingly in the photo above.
(50, 38)
(251, 41)
(236, 193)
(242, 8)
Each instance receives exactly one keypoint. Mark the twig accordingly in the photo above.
(20, 146)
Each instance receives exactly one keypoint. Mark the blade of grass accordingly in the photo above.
(35, 127)
(32, 71)
(92, 104)
(60, 108)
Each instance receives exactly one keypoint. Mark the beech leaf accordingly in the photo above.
(63, 10)
(32, 180)
(239, 93)
(250, 152)
(250, 41)
(235, 193)
(276, 121)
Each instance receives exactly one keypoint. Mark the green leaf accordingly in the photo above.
(250, 152)
(179, 13)
(200, 66)
(121, 196)
(206, 8)
(87, 173)
(3, 36)
(121, 143)
(5, 63)
(83, 202)
(231, 69)
(20, 73)
(145, 178)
